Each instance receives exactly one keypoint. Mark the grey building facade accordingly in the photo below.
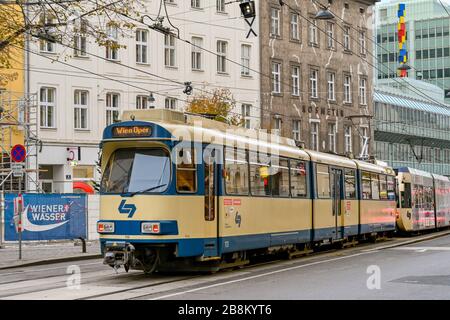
(317, 82)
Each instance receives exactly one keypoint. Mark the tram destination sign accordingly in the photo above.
(132, 132)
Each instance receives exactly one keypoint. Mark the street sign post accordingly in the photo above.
(18, 208)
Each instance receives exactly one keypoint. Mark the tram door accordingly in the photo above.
(337, 182)
(211, 207)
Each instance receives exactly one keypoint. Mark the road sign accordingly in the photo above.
(17, 169)
(18, 153)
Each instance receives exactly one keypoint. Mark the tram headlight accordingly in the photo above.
(105, 227)
(150, 227)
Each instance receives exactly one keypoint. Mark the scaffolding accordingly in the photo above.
(18, 116)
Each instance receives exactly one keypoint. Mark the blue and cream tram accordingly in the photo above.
(180, 191)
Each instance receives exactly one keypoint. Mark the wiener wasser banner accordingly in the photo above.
(47, 217)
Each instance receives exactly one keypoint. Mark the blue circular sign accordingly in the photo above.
(18, 153)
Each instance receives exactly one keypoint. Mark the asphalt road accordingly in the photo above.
(419, 270)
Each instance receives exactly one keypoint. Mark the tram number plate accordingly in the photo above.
(133, 131)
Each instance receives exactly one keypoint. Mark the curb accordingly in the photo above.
(415, 240)
(52, 261)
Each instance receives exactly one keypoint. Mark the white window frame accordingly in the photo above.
(170, 51)
(295, 26)
(313, 82)
(112, 109)
(364, 135)
(246, 53)
(296, 130)
(313, 35)
(80, 40)
(347, 38)
(332, 137)
(113, 33)
(142, 102)
(45, 105)
(245, 113)
(196, 4)
(276, 77)
(46, 46)
(315, 132)
(362, 42)
(348, 139)
(170, 103)
(196, 54)
(275, 22)
(142, 46)
(295, 75)
(331, 80)
(277, 126)
(362, 91)
(80, 108)
(222, 50)
(347, 88)
(220, 6)
(330, 36)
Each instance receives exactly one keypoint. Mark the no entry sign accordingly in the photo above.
(18, 153)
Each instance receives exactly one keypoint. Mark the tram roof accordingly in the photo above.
(331, 159)
(415, 172)
(441, 178)
(362, 165)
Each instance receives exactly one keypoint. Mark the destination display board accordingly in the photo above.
(132, 132)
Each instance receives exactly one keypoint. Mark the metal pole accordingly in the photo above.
(20, 218)
(2, 214)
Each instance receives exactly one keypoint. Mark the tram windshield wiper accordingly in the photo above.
(148, 189)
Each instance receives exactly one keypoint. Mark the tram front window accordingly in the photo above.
(137, 170)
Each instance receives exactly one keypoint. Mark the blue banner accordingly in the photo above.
(48, 217)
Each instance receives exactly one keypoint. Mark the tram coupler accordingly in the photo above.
(119, 254)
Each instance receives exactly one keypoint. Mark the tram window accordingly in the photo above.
(298, 178)
(428, 191)
(259, 176)
(391, 187)
(366, 186)
(383, 187)
(375, 187)
(406, 196)
(417, 195)
(236, 172)
(323, 181)
(186, 171)
(279, 174)
(350, 184)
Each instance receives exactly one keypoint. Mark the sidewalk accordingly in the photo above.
(45, 253)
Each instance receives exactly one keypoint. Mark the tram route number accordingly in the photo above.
(226, 309)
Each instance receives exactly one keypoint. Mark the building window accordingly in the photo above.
(331, 86)
(141, 46)
(348, 139)
(295, 80)
(332, 137)
(196, 54)
(364, 140)
(313, 35)
(220, 6)
(171, 103)
(362, 91)
(222, 56)
(347, 89)
(142, 102)
(81, 109)
(276, 77)
(315, 136)
(362, 43)
(295, 27)
(112, 49)
(296, 130)
(245, 59)
(80, 40)
(47, 45)
(275, 22)
(169, 51)
(330, 35)
(112, 108)
(196, 4)
(314, 75)
(245, 113)
(277, 126)
(47, 106)
(347, 38)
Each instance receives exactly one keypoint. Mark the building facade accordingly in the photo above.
(428, 41)
(411, 131)
(316, 82)
(76, 105)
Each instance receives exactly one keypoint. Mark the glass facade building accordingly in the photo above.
(411, 132)
(428, 41)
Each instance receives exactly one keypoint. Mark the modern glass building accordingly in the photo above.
(412, 131)
(428, 41)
